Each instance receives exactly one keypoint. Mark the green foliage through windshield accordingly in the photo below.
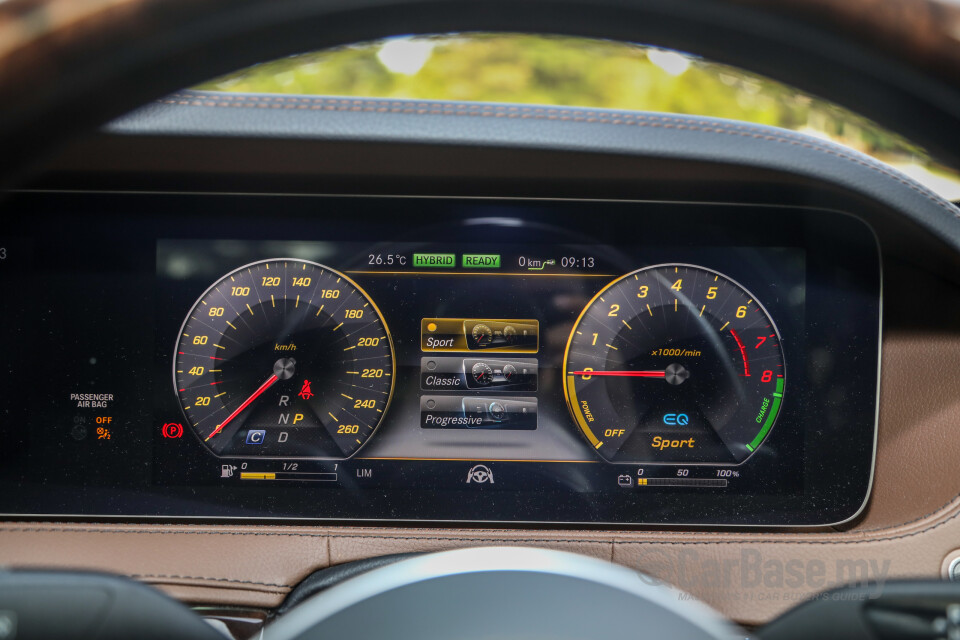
(548, 70)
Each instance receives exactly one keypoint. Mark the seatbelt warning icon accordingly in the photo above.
(305, 392)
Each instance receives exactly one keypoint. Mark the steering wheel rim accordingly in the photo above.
(67, 66)
(498, 592)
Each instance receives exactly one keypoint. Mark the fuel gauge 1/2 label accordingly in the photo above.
(674, 364)
(284, 358)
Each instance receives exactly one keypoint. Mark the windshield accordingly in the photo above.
(565, 71)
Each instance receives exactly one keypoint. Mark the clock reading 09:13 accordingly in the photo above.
(577, 262)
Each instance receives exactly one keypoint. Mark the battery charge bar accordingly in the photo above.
(290, 475)
(681, 482)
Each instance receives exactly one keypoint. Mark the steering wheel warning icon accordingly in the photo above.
(480, 474)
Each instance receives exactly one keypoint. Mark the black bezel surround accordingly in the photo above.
(94, 311)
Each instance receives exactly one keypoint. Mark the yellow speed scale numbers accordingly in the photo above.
(284, 358)
(674, 364)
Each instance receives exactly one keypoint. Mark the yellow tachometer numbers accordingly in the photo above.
(674, 364)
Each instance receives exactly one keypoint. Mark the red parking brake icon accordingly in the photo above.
(305, 392)
(172, 430)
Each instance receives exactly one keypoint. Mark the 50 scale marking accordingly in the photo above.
(284, 358)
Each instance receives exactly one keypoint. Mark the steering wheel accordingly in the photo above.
(500, 592)
(69, 65)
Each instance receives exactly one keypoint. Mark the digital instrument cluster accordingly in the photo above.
(448, 360)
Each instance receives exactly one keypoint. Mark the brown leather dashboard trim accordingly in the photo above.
(548, 536)
(257, 565)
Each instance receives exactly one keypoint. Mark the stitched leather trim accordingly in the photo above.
(460, 536)
(511, 535)
(939, 512)
(157, 577)
(564, 114)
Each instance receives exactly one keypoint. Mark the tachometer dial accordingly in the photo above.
(482, 334)
(674, 364)
(284, 358)
(482, 373)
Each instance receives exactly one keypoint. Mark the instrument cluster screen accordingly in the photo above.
(354, 359)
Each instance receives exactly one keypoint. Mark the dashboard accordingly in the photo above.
(405, 359)
(110, 248)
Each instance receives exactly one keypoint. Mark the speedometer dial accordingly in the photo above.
(284, 358)
(674, 364)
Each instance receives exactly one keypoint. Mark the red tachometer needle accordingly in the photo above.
(623, 374)
(256, 394)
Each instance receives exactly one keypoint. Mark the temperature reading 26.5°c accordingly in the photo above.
(388, 259)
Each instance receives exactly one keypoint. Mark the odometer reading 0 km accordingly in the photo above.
(284, 358)
(674, 364)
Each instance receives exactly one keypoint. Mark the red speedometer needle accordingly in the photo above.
(623, 374)
(256, 394)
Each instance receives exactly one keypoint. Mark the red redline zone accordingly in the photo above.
(743, 353)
